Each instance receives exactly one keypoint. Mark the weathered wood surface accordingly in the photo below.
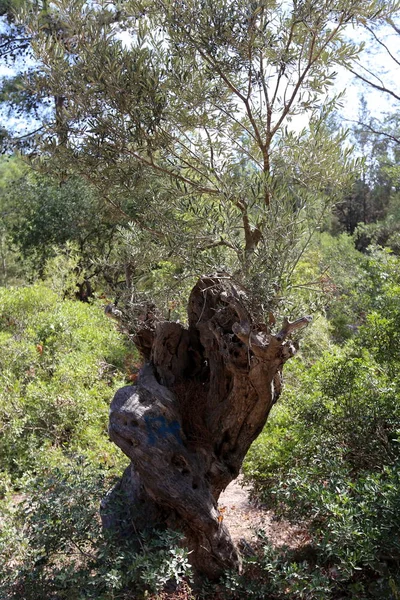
(201, 399)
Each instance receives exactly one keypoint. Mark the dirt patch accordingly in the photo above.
(243, 518)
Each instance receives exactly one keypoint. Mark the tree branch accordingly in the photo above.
(172, 174)
(289, 327)
(222, 242)
(380, 88)
(372, 32)
(312, 59)
(233, 118)
(283, 65)
(233, 89)
(394, 26)
(394, 139)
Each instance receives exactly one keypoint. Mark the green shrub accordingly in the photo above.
(53, 546)
(60, 362)
(330, 455)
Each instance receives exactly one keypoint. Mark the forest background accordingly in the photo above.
(73, 239)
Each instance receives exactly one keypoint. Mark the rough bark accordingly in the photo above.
(201, 399)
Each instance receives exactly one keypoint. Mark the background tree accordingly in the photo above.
(370, 208)
(10, 270)
(19, 105)
(42, 216)
(221, 143)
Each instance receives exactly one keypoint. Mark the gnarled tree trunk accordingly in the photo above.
(202, 397)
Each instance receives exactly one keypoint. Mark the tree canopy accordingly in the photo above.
(212, 117)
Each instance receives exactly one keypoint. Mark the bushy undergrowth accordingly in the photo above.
(52, 544)
(330, 458)
(60, 362)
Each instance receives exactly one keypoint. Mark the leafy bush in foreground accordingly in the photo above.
(52, 545)
(60, 362)
(330, 458)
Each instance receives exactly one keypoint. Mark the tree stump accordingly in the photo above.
(201, 399)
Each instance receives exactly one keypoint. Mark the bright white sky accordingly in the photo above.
(377, 61)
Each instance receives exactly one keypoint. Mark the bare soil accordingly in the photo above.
(243, 519)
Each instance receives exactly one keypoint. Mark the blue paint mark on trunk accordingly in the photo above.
(158, 427)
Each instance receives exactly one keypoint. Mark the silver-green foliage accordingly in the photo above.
(60, 361)
(186, 109)
(52, 543)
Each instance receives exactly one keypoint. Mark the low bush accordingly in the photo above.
(52, 544)
(329, 457)
(60, 362)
